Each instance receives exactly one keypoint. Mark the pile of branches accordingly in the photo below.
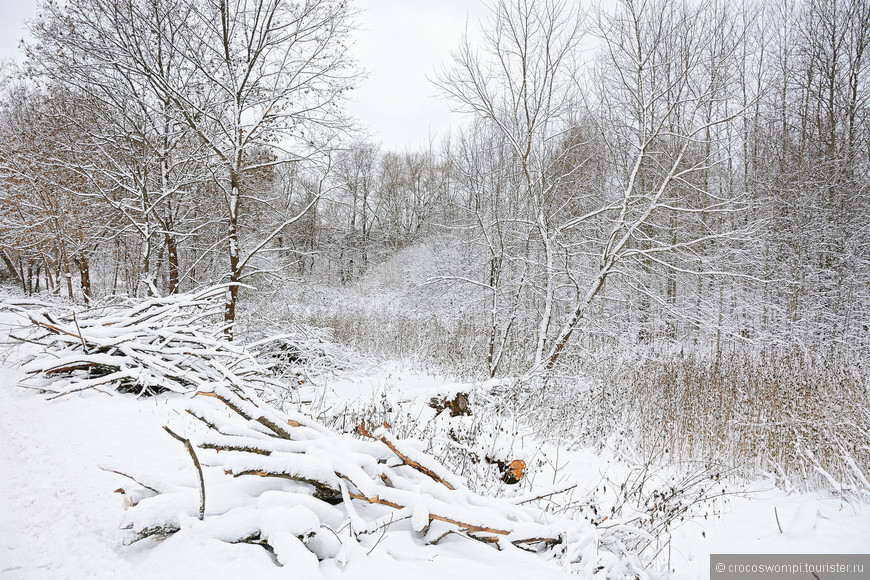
(273, 477)
(294, 352)
(163, 344)
(285, 481)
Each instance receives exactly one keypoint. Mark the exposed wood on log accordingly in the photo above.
(458, 405)
(462, 525)
(245, 449)
(411, 463)
(82, 366)
(361, 430)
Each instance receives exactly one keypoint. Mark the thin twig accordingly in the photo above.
(383, 533)
(130, 477)
(190, 450)
(79, 330)
(544, 495)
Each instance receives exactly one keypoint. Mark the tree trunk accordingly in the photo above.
(49, 281)
(172, 257)
(579, 312)
(11, 267)
(22, 277)
(232, 294)
(68, 275)
(493, 328)
(85, 272)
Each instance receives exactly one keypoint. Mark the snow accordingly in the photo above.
(811, 523)
(61, 518)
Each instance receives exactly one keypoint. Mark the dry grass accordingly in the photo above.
(805, 419)
(392, 325)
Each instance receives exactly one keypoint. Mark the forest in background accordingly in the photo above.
(669, 197)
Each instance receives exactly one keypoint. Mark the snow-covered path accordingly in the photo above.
(60, 521)
(60, 517)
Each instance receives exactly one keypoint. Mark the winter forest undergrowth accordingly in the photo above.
(628, 296)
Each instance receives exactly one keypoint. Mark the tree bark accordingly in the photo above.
(85, 271)
(172, 262)
(11, 267)
(232, 293)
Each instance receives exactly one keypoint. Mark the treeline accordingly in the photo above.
(683, 174)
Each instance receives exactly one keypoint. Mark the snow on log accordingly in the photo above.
(340, 470)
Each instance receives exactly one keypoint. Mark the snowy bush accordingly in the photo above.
(804, 418)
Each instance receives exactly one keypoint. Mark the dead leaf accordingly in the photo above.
(361, 430)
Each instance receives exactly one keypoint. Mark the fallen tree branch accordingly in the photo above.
(462, 525)
(323, 491)
(193, 456)
(384, 437)
(79, 330)
(131, 478)
(411, 463)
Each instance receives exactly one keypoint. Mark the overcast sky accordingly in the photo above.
(12, 16)
(400, 43)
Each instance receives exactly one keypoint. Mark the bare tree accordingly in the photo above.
(230, 86)
(521, 83)
(356, 172)
(46, 220)
(814, 123)
(654, 120)
(139, 158)
(268, 73)
(491, 208)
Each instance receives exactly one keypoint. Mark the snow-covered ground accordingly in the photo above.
(61, 519)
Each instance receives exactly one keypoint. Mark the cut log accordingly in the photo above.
(458, 404)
